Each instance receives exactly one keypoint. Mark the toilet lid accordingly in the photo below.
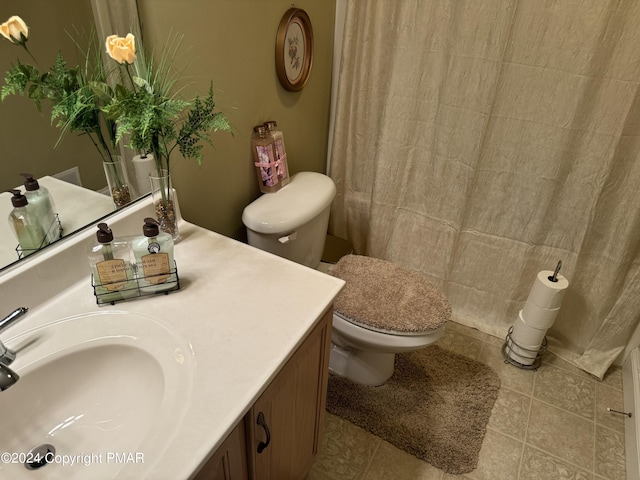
(303, 199)
(381, 296)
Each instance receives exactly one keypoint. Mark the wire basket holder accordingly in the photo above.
(531, 358)
(135, 288)
(23, 252)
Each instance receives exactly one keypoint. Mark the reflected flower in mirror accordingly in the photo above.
(77, 93)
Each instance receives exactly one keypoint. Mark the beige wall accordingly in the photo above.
(232, 42)
(26, 135)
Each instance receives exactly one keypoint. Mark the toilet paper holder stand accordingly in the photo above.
(511, 349)
(530, 358)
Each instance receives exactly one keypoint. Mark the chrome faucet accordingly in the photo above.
(7, 376)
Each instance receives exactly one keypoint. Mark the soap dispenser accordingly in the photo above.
(110, 263)
(41, 202)
(153, 252)
(264, 159)
(282, 168)
(25, 225)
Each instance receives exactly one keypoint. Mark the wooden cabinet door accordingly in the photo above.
(229, 462)
(283, 444)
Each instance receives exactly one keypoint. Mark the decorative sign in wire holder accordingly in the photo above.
(135, 289)
(511, 349)
(23, 252)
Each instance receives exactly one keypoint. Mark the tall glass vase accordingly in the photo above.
(163, 200)
(118, 182)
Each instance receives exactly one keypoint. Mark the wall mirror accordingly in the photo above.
(73, 171)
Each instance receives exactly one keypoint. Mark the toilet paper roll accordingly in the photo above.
(527, 336)
(143, 167)
(538, 317)
(545, 293)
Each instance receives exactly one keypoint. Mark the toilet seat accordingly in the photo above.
(386, 298)
(348, 334)
(386, 331)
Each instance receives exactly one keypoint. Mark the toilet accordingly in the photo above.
(382, 310)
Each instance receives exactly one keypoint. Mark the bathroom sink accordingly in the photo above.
(107, 390)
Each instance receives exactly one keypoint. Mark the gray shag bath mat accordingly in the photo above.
(435, 406)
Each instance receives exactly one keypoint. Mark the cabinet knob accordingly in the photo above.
(263, 423)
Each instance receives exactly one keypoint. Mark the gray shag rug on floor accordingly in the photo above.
(435, 406)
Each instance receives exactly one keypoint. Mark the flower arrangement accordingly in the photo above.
(147, 109)
(134, 99)
(70, 90)
(156, 121)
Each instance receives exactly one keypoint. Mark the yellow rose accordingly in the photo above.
(15, 30)
(122, 50)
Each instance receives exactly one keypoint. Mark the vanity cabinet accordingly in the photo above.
(282, 432)
(229, 462)
(284, 426)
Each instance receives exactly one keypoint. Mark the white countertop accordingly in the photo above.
(241, 311)
(76, 207)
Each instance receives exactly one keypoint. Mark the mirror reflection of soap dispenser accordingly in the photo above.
(42, 203)
(25, 225)
(110, 263)
(154, 258)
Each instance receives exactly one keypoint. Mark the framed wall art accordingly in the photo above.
(294, 49)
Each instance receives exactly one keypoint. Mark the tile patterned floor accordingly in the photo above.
(549, 424)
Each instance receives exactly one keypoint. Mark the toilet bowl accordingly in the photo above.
(367, 356)
(383, 309)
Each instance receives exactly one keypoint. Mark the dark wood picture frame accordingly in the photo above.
(294, 49)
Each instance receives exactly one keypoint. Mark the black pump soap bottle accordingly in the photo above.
(110, 262)
(25, 225)
(153, 252)
(42, 203)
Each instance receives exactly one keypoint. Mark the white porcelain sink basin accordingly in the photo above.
(107, 390)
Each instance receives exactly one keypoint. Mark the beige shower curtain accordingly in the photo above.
(479, 142)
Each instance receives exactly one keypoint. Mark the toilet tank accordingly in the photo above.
(292, 222)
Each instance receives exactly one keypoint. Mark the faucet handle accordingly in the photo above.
(7, 377)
